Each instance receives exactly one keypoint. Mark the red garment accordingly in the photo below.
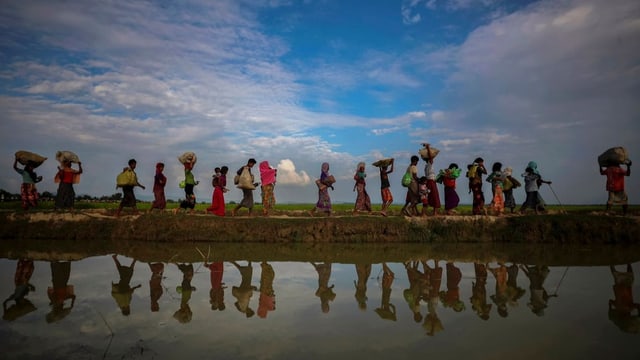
(217, 200)
(615, 178)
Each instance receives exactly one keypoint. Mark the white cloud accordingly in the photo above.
(287, 174)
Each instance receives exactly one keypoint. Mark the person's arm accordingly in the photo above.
(15, 165)
(391, 170)
(79, 168)
(628, 169)
(602, 170)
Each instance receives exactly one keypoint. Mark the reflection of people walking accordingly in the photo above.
(60, 291)
(216, 294)
(386, 310)
(22, 306)
(539, 297)
(363, 271)
(184, 314)
(244, 292)
(122, 292)
(324, 291)
(267, 300)
(622, 306)
(155, 285)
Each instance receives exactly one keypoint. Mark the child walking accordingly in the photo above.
(385, 188)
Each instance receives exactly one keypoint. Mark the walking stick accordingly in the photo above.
(556, 196)
(555, 293)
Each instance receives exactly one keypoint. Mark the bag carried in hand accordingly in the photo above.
(406, 179)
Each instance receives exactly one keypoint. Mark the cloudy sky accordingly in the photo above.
(297, 83)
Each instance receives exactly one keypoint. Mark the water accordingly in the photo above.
(314, 313)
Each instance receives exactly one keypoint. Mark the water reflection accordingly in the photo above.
(446, 300)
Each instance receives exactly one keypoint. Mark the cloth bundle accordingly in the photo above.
(26, 157)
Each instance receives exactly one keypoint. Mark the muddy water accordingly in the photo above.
(317, 303)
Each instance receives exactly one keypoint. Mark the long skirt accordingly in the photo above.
(217, 202)
(268, 196)
(478, 199)
(324, 200)
(66, 196)
(498, 201)
(159, 200)
(363, 201)
(451, 198)
(433, 197)
(29, 195)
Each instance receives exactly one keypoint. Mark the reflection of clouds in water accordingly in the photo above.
(297, 322)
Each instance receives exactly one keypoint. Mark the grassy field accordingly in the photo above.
(285, 208)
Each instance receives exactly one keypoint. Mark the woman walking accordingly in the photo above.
(66, 177)
(324, 183)
(268, 179)
(363, 201)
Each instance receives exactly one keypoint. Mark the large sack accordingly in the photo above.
(65, 155)
(614, 156)
(188, 157)
(383, 162)
(26, 157)
(424, 154)
(245, 181)
(126, 178)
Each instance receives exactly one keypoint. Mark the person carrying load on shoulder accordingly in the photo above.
(127, 180)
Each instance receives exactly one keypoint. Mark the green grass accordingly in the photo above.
(337, 208)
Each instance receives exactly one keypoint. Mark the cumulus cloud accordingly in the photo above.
(287, 174)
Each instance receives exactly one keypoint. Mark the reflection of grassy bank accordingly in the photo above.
(576, 239)
(548, 254)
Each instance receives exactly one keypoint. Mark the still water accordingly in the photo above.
(112, 307)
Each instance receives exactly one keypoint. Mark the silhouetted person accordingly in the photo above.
(386, 310)
(479, 292)
(216, 294)
(432, 323)
(433, 279)
(267, 300)
(22, 306)
(60, 291)
(324, 292)
(244, 292)
(451, 297)
(122, 292)
(622, 306)
(184, 314)
(363, 271)
(539, 297)
(413, 294)
(501, 297)
(155, 285)
(514, 292)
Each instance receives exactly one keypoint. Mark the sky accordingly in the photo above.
(298, 83)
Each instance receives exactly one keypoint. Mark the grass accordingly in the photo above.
(337, 208)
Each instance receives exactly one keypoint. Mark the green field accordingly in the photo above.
(287, 208)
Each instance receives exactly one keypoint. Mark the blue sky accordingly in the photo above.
(297, 83)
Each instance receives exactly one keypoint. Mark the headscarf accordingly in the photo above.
(325, 168)
(360, 170)
(267, 173)
(534, 167)
(508, 171)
